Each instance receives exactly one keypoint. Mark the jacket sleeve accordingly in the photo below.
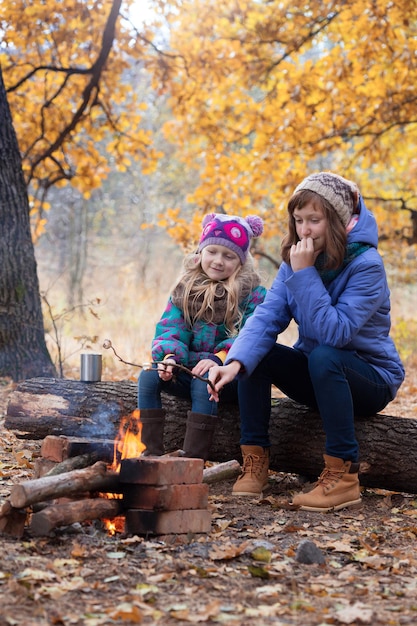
(171, 335)
(262, 329)
(337, 320)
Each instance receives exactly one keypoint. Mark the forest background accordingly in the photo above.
(126, 134)
(131, 126)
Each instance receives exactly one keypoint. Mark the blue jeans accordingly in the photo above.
(336, 383)
(183, 386)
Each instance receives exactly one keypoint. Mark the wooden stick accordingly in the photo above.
(94, 478)
(67, 513)
(108, 344)
(222, 471)
(75, 462)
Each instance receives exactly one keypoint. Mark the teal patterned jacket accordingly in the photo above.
(203, 340)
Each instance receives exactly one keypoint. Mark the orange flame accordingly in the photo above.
(115, 525)
(128, 443)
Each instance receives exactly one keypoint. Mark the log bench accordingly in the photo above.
(39, 407)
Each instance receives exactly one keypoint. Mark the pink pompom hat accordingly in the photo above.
(231, 231)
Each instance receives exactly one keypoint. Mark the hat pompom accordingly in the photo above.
(256, 223)
(207, 218)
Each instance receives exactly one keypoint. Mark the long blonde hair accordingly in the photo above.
(214, 302)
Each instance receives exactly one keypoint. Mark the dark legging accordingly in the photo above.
(335, 382)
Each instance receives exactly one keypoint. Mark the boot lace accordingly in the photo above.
(252, 464)
(330, 476)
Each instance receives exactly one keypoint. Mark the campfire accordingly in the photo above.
(128, 443)
(81, 479)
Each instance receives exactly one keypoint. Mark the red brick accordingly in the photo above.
(59, 448)
(54, 448)
(167, 497)
(142, 522)
(148, 470)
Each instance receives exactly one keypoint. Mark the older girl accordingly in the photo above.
(332, 282)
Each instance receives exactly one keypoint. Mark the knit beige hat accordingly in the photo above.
(341, 193)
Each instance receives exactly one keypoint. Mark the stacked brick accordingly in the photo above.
(161, 495)
(165, 495)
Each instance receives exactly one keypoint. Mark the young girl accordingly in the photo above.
(332, 282)
(216, 293)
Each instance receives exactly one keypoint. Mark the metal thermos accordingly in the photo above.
(90, 367)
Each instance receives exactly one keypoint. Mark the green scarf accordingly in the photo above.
(352, 251)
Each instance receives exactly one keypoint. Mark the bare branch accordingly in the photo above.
(90, 92)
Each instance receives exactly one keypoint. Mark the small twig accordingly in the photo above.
(108, 344)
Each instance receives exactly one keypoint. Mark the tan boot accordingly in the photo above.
(337, 487)
(254, 477)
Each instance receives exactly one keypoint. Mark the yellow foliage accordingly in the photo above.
(184, 231)
(66, 103)
(265, 91)
(262, 92)
(404, 334)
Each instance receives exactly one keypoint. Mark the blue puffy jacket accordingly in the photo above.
(352, 312)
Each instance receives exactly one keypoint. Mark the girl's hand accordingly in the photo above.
(302, 254)
(202, 367)
(220, 376)
(166, 369)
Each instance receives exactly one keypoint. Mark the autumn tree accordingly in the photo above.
(265, 91)
(75, 116)
(261, 93)
(23, 352)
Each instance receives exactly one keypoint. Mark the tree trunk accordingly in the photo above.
(23, 352)
(41, 407)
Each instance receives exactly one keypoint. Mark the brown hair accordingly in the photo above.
(336, 237)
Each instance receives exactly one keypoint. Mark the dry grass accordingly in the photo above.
(130, 307)
(122, 310)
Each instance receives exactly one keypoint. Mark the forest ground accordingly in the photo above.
(246, 571)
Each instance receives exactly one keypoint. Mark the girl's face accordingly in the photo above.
(218, 262)
(310, 221)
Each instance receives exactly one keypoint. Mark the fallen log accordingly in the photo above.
(12, 521)
(222, 471)
(56, 406)
(94, 478)
(66, 513)
(73, 463)
(43, 406)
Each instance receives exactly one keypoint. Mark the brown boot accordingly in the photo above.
(337, 487)
(152, 435)
(254, 476)
(199, 435)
